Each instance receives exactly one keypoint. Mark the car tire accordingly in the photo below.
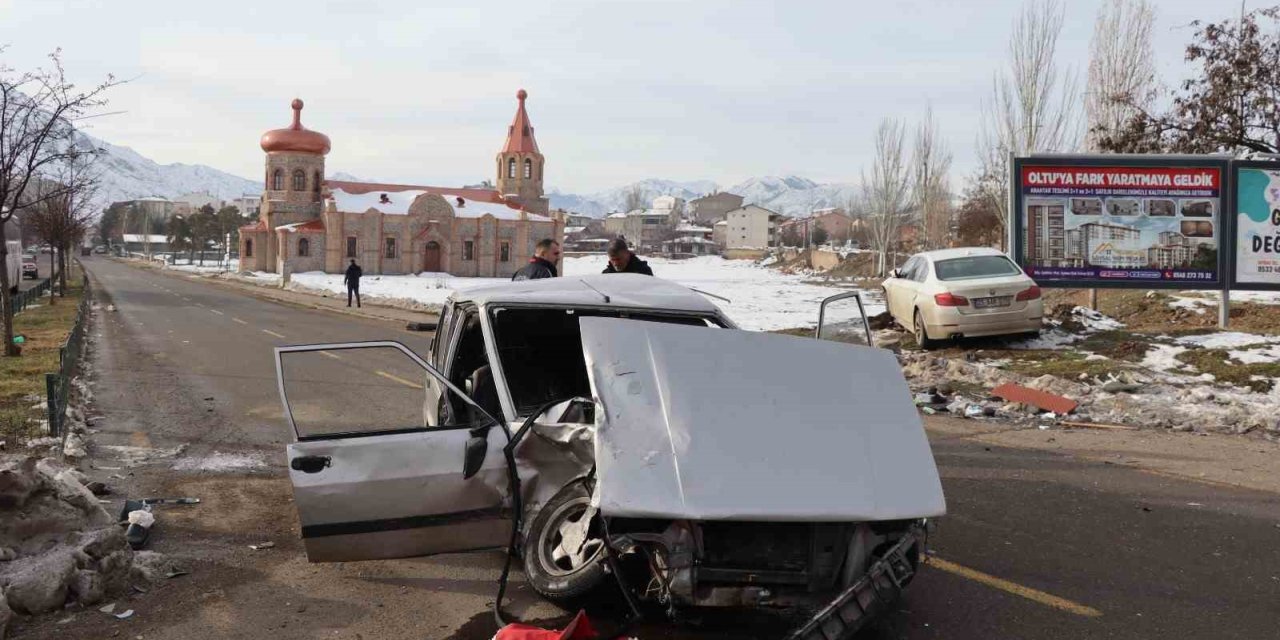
(559, 574)
(922, 333)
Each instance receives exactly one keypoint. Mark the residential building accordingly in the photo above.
(192, 202)
(248, 204)
(1114, 246)
(146, 215)
(1045, 233)
(751, 227)
(720, 233)
(834, 221)
(615, 224)
(712, 208)
(646, 229)
(691, 240)
(307, 223)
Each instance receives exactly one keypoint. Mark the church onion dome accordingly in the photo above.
(295, 137)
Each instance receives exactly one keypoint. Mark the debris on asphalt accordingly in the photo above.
(421, 326)
(1034, 397)
(579, 628)
(1094, 425)
(109, 609)
(98, 488)
(262, 545)
(176, 573)
(151, 501)
(124, 615)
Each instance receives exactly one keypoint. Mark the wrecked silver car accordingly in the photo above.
(620, 428)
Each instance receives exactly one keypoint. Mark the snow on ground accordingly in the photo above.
(209, 266)
(221, 461)
(762, 299)
(1163, 357)
(1227, 340)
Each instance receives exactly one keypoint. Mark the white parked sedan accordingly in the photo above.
(954, 293)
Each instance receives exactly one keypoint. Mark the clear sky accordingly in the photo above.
(422, 92)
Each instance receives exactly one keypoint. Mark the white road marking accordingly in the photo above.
(399, 379)
(218, 312)
(331, 355)
(270, 332)
(234, 319)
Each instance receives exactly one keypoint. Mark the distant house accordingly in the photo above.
(691, 240)
(147, 244)
(646, 229)
(751, 227)
(712, 208)
(720, 232)
(834, 221)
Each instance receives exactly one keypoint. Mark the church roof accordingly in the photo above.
(358, 197)
(520, 134)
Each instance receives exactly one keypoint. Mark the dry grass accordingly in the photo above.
(1226, 369)
(1142, 311)
(21, 378)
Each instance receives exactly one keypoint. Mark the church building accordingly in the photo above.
(309, 223)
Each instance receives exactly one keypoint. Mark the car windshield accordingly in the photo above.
(541, 350)
(971, 267)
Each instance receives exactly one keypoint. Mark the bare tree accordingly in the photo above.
(886, 191)
(65, 213)
(1122, 72)
(38, 110)
(635, 198)
(931, 191)
(1033, 103)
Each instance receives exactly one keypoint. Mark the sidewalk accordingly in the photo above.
(372, 307)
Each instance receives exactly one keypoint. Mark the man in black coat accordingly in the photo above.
(352, 279)
(621, 260)
(543, 262)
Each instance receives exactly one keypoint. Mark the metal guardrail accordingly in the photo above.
(24, 299)
(58, 384)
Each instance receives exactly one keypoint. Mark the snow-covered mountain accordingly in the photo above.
(792, 195)
(126, 174)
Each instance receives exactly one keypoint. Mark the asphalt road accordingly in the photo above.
(1035, 544)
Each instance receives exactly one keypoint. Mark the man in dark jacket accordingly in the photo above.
(621, 260)
(543, 262)
(352, 279)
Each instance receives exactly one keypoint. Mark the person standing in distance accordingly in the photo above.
(622, 260)
(543, 262)
(352, 279)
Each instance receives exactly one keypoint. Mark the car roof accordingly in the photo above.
(623, 290)
(962, 252)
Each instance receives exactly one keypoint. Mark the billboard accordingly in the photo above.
(1256, 259)
(1119, 221)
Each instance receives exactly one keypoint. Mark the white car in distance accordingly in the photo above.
(957, 293)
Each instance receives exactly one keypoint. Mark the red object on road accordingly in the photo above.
(579, 629)
(1047, 401)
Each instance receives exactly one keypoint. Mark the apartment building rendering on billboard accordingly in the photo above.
(1050, 242)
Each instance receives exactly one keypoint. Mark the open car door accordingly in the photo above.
(373, 475)
(843, 318)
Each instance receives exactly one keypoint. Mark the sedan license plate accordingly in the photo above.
(988, 303)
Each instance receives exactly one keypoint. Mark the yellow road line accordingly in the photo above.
(272, 333)
(399, 379)
(234, 319)
(218, 312)
(1035, 595)
(331, 355)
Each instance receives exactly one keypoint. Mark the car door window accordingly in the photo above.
(921, 271)
(907, 268)
(364, 388)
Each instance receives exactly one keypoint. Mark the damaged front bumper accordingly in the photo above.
(871, 594)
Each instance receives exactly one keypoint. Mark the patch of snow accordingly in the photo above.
(1162, 357)
(1227, 340)
(763, 299)
(1049, 340)
(219, 461)
(1095, 320)
(1196, 305)
(1263, 355)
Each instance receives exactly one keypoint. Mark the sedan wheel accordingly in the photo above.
(922, 333)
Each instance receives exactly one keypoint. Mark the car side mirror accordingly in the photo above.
(895, 273)
(477, 447)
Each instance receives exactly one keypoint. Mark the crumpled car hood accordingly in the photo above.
(708, 423)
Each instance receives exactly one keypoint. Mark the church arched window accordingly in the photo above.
(528, 168)
(304, 247)
(511, 168)
(277, 180)
(299, 180)
(248, 247)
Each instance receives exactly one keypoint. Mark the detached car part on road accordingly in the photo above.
(621, 421)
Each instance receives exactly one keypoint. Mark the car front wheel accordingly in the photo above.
(564, 553)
